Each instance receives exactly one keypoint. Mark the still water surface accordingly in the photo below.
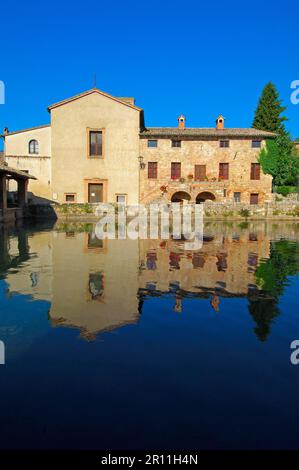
(138, 344)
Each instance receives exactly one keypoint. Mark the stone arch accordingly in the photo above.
(204, 196)
(180, 196)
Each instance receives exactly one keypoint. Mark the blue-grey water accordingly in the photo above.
(123, 344)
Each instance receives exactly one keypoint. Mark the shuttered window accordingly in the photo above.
(256, 144)
(255, 172)
(176, 143)
(152, 170)
(200, 172)
(175, 171)
(237, 197)
(224, 144)
(254, 198)
(95, 144)
(223, 171)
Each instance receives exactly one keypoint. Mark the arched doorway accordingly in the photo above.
(204, 196)
(180, 196)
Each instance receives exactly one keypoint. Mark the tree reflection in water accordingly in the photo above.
(272, 278)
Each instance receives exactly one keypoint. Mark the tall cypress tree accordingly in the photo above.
(277, 158)
(268, 112)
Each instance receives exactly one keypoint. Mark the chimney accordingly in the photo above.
(182, 121)
(6, 131)
(220, 122)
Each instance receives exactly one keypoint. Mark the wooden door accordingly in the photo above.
(95, 193)
(254, 198)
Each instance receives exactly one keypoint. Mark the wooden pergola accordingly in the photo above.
(21, 177)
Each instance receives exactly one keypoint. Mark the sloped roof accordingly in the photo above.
(26, 130)
(197, 132)
(8, 170)
(89, 92)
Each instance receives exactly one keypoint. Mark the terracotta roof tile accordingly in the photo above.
(201, 132)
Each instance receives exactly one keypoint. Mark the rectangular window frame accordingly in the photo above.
(152, 141)
(237, 199)
(222, 175)
(121, 194)
(150, 166)
(255, 171)
(176, 143)
(224, 143)
(89, 132)
(173, 175)
(254, 142)
(66, 195)
(196, 172)
(253, 196)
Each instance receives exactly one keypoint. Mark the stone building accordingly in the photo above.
(97, 149)
(196, 164)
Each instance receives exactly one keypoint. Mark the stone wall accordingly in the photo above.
(239, 155)
(285, 209)
(277, 209)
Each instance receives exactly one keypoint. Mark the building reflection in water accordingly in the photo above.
(99, 285)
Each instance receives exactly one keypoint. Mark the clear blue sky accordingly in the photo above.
(192, 57)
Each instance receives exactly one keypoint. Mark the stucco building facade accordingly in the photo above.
(98, 149)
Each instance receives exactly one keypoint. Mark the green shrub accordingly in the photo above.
(64, 208)
(276, 212)
(244, 213)
(87, 208)
(285, 190)
(243, 225)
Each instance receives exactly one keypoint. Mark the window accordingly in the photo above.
(256, 144)
(33, 146)
(70, 197)
(95, 144)
(175, 143)
(175, 171)
(200, 172)
(151, 259)
(255, 172)
(152, 143)
(198, 260)
(95, 193)
(254, 198)
(121, 198)
(237, 197)
(96, 285)
(152, 170)
(224, 144)
(252, 237)
(94, 242)
(223, 171)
